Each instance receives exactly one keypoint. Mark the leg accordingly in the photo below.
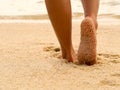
(87, 49)
(91, 9)
(60, 15)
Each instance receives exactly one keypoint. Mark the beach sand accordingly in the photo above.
(30, 58)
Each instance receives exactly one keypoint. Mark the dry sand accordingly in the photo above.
(30, 58)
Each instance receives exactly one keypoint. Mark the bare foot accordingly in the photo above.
(87, 48)
(69, 55)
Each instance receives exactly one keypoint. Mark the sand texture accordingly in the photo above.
(30, 58)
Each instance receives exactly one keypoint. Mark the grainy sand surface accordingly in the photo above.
(30, 58)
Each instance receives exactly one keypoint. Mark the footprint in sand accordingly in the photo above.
(54, 51)
(101, 57)
(109, 58)
(109, 83)
(51, 48)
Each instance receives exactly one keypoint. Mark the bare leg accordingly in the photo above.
(91, 9)
(60, 15)
(87, 50)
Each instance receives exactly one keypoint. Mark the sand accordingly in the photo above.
(30, 58)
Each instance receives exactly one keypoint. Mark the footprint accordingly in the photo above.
(47, 49)
(56, 55)
(53, 51)
(51, 48)
(109, 82)
(111, 57)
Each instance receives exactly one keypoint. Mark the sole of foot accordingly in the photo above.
(87, 49)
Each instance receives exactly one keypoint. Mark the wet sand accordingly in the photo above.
(30, 58)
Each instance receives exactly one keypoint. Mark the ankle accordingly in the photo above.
(70, 54)
(94, 20)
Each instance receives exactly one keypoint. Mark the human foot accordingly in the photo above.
(87, 48)
(69, 55)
